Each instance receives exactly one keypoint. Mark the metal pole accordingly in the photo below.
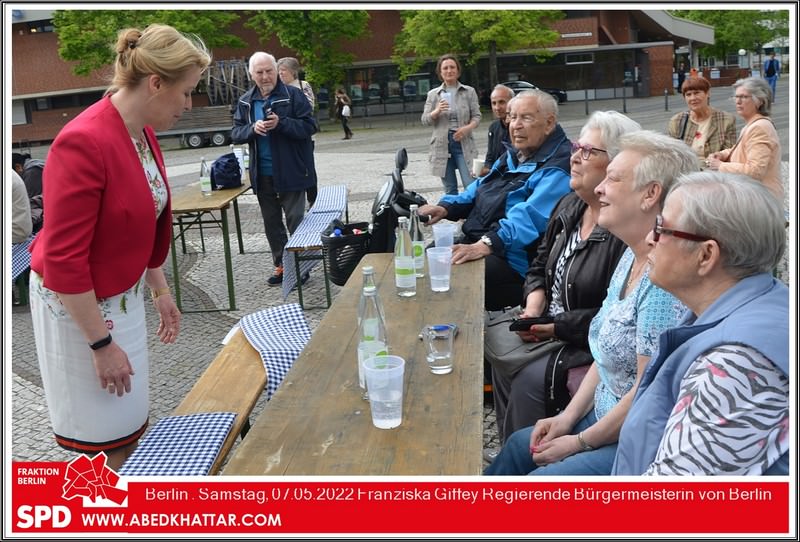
(624, 102)
(586, 101)
(666, 100)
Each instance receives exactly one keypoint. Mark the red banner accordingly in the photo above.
(85, 496)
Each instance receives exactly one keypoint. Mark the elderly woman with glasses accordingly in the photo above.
(721, 378)
(567, 281)
(582, 439)
(757, 153)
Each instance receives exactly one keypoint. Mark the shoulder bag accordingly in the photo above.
(504, 349)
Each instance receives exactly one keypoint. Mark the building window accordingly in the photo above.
(42, 104)
(38, 27)
(578, 58)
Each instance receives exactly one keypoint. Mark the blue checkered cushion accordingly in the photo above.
(330, 198)
(20, 257)
(307, 234)
(180, 445)
(279, 334)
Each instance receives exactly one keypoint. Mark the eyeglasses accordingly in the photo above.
(740, 97)
(659, 230)
(526, 119)
(586, 150)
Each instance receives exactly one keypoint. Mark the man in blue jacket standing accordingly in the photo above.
(277, 123)
(772, 70)
(507, 211)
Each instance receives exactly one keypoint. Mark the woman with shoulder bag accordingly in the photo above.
(757, 154)
(704, 128)
(343, 110)
(567, 280)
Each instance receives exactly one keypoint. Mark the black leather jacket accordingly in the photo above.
(587, 274)
(583, 290)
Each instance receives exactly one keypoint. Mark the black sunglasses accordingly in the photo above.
(659, 230)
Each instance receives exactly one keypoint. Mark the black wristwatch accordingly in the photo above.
(97, 345)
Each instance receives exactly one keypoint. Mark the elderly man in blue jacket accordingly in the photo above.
(277, 123)
(507, 211)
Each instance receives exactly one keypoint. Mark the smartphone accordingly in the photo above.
(524, 324)
(267, 111)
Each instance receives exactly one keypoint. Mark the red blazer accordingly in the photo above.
(101, 230)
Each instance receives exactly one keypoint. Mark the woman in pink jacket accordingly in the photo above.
(757, 153)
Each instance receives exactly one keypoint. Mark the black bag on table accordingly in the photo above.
(225, 172)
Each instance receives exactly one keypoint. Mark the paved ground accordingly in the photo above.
(362, 164)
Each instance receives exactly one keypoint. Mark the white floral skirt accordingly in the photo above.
(85, 417)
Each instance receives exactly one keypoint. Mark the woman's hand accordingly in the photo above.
(548, 429)
(442, 107)
(170, 318)
(462, 132)
(535, 304)
(113, 369)
(538, 332)
(550, 437)
(555, 450)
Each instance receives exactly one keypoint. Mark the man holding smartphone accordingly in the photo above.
(277, 123)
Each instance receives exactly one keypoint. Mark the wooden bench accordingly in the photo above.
(303, 251)
(233, 382)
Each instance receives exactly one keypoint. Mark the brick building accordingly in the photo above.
(600, 54)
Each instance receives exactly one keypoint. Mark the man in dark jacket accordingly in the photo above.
(30, 170)
(277, 123)
(498, 130)
(507, 211)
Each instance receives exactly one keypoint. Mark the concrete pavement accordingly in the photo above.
(362, 164)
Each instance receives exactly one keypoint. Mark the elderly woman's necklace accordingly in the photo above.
(635, 274)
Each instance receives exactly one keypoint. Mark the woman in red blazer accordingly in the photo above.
(107, 234)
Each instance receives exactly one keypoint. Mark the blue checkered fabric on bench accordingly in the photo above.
(20, 257)
(180, 445)
(307, 234)
(279, 334)
(330, 198)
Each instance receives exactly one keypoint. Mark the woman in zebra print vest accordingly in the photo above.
(715, 398)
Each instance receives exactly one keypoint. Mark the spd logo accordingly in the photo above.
(92, 481)
(40, 516)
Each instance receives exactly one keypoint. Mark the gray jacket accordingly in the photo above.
(466, 105)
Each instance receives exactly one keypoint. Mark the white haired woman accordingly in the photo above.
(757, 153)
(567, 280)
(722, 377)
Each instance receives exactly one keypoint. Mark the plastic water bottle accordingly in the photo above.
(404, 274)
(417, 241)
(246, 160)
(371, 325)
(205, 177)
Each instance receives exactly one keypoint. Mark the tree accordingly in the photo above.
(88, 36)
(472, 33)
(316, 36)
(739, 29)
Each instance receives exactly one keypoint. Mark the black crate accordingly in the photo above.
(343, 252)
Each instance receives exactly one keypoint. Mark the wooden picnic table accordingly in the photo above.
(193, 209)
(317, 422)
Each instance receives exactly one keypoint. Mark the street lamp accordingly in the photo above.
(742, 54)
